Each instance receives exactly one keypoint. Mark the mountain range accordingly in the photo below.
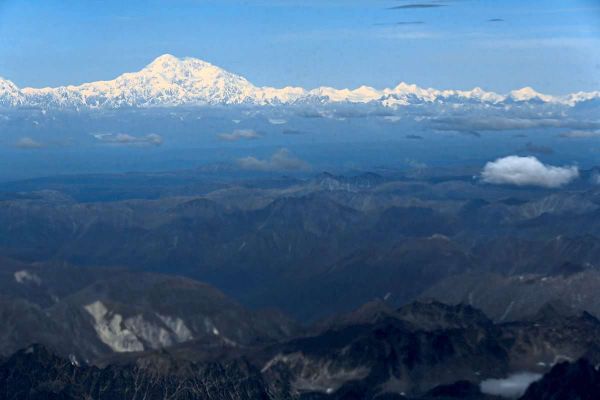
(169, 81)
(424, 350)
(397, 286)
(323, 245)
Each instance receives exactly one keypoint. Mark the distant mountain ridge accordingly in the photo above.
(169, 81)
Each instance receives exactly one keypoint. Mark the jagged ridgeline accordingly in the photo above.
(170, 81)
(424, 350)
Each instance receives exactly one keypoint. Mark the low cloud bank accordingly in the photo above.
(512, 387)
(534, 148)
(281, 160)
(581, 134)
(239, 134)
(493, 123)
(277, 121)
(527, 171)
(28, 143)
(293, 132)
(126, 139)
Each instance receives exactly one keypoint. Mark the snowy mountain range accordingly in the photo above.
(169, 81)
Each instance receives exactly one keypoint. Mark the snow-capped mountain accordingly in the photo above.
(170, 81)
(10, 95)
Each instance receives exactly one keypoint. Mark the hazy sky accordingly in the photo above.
(553, 46)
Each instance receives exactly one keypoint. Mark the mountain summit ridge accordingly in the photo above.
(170, 81)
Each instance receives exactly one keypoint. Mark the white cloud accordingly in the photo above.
(125, 139)
(392, 118)
(281, 160)
(277, 121)
(511, 387)
(239, 134)
(523, 171)
(415, 164)
(28, 143)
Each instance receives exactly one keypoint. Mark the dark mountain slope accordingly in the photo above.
(399, 271)
(35, 373)
(507, 298)
(93, 313)
(577, 381)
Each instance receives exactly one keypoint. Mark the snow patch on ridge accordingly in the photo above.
(178, 327)
(25, 276)
(110, 330)
(136, 333)
(315, 374)
(151, 334)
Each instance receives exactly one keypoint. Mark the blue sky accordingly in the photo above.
(551, 45)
